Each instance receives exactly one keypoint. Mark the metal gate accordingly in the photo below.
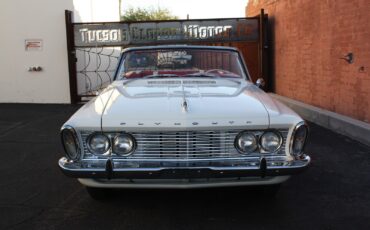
(94, 48)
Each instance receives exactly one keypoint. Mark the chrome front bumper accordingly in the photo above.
(218, 168)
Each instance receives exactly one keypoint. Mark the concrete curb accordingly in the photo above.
(355, 129)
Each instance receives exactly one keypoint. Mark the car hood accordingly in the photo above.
(177, 104)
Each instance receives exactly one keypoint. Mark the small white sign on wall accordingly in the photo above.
(33, 44)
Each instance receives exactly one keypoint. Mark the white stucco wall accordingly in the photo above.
(41, 19)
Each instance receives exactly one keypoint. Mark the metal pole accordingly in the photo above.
(71, 57)
(261, 41)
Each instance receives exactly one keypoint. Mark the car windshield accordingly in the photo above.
(181, 62)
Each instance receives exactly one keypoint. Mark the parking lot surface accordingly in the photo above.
(334, 193)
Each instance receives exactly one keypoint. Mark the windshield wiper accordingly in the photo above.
(207, 75)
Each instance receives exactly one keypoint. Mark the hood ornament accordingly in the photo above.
(184, 105)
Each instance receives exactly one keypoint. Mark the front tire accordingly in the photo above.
(98, 193)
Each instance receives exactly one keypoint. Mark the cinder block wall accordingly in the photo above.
(309, 39)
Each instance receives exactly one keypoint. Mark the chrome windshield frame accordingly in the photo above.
(240, 58)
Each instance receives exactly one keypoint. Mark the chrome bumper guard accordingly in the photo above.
(119, 169)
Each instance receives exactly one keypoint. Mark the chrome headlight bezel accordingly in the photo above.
(130, 138)
(300, 125)
(278, 134)
(237, 144)
(107, 144)
(258, 134)
(71, 156)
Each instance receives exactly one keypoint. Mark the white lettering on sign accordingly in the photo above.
(89, 36)
(161, 32)
(190, 32)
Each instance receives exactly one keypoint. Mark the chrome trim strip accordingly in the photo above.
(302, 123)
(76, 140)
(181, 184)
(152, 170)
(192, 160)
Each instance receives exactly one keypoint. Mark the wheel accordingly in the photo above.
(98, 193)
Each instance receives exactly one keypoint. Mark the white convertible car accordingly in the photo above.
(182, 117)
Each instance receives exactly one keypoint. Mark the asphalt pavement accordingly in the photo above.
(334, 193)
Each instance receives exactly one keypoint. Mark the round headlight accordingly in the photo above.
(98, 143)
(123, 144)
(299, 139)
(70, 143)
(246, 142)
(271, 141)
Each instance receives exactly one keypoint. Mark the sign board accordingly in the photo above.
(164, 32)
(33, 44)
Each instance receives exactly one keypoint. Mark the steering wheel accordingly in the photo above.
(217, 71)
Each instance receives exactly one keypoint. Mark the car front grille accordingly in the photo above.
(186, 145)
(205, 144)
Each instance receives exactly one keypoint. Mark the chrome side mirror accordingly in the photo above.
(260, 83)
